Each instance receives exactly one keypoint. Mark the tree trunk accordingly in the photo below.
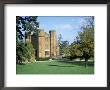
(86, 62)
(25, 37)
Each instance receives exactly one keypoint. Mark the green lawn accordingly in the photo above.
(55, 67)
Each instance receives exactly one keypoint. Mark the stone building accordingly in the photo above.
(45, 44)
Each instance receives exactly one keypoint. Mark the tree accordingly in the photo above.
(30, 52)
(31, 25)
(87, 39)
(24, 27)
(65, 48)
(20, 52)
(26, 24)
(87, 43)
(83, 46)
(24, 52)
(19, 22)
(59, 43)
(75, 50)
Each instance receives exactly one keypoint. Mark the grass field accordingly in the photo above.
(55, 67)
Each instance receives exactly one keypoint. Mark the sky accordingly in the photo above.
(67, 26)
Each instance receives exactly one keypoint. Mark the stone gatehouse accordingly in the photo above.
(45, 44)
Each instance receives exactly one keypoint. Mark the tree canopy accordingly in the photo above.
(25, 25)
(83, 46)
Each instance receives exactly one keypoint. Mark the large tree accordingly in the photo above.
(87, 43)
(83, 46)
(25, 25)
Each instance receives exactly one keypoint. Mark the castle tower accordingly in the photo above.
(41, 43)
(52, 43)
(47, 45)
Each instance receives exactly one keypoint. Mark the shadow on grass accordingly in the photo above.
(66, 66)
(52, 65)
(61, 65)
(20, 64)
(80, 63)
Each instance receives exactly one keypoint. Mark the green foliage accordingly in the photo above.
(25, 52)
(59, 42)
(76, 50)
(87, 41)
(83, 46)
(65, 48)
(25, 25)
(30, 52)
(28, 24)
(20, 52)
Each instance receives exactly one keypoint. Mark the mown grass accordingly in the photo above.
(55, 67)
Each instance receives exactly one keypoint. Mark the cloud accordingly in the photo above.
(79, 22)
(82, 21)
(66, 27)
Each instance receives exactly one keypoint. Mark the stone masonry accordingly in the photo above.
(45, 44)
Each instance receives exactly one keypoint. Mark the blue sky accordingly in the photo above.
(67, 26)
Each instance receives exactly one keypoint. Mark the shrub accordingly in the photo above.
(20, 52)
(30, 52)
(25, 52)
